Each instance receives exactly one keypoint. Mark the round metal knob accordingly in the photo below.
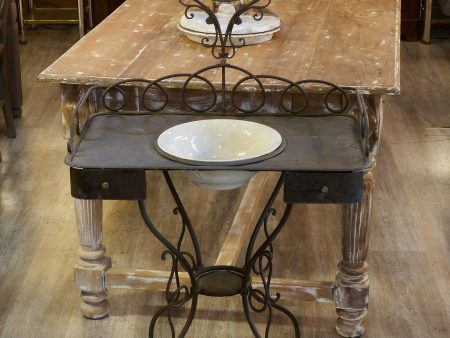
(105, 185)
(324, 189)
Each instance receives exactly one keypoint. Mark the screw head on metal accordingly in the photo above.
(324, 189)
(105, 185)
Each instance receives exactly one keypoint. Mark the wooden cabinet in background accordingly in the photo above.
(412, 19)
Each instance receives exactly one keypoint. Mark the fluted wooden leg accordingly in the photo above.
(352, 281)
(92, 265)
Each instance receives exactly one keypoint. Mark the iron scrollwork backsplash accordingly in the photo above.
(265, 94)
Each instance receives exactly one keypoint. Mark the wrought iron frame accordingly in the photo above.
(336, 102)
(257, 261)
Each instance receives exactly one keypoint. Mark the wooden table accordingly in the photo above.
(350, 43)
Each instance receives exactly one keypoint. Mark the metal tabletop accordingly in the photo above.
(127, 141)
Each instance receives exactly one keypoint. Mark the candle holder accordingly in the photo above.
(248, 22)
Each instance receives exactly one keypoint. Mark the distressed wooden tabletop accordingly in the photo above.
(347, 42)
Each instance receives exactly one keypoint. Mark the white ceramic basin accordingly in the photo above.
(219, 142)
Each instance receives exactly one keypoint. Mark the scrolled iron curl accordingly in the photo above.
(174, 300)
(190, 77)
(206, 43)
(236, 20)
(187, 255)
(268, 255)
(173, 296)
(190, 258)
(162, 89)
(334, 89)
(258, 78)
(258, 16)
(265, 299)
(212, 19)
(257, 267)
(106, 104)
(116, 87)
(197, 75)
(259, 296)
(242, 43)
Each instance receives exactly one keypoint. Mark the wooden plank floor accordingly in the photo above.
(410, 244)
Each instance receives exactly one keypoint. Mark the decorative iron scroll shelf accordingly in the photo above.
(270, 95)
(336, 101)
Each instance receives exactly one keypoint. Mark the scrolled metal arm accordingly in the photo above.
(260, 261)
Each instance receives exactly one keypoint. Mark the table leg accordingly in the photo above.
(70, 95)
(90, 15)
(352, 281)
(81, 18)
(22, 38)
(427, 24)
(93, 263)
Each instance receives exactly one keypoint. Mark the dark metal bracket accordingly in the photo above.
(105, 184)
(325, 187)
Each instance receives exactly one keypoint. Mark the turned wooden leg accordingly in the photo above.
(352, 282)
(92, 265)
